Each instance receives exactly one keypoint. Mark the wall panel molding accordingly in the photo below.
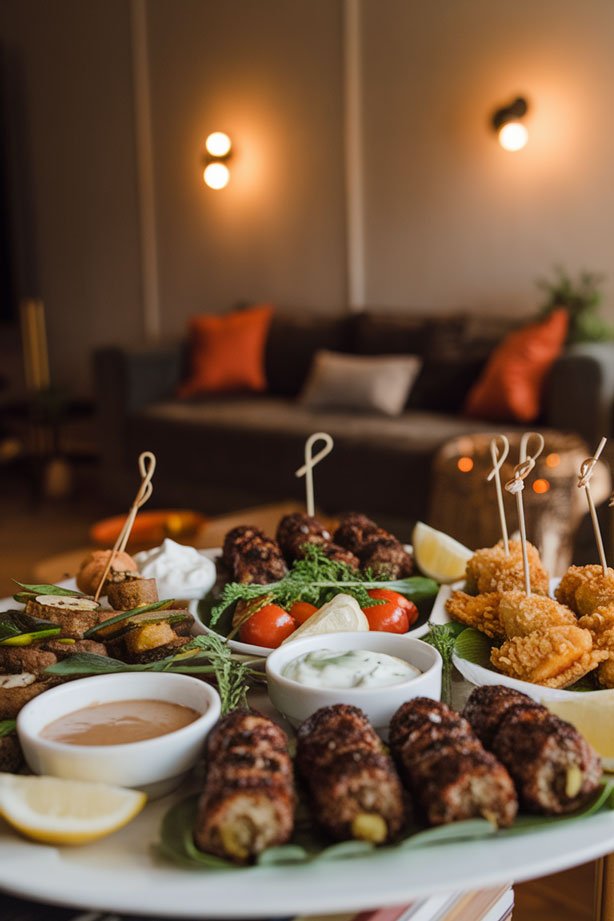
(354, 165)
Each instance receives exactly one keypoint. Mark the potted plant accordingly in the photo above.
(582, 298)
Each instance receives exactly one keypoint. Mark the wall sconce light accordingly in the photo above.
(218, 150)
(506, 121)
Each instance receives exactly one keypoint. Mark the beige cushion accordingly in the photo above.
(366, 384)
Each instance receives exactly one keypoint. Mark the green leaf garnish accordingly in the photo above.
(317, 579)
(474, 646)
(202, 655)
(124, 615)
(45, 589)
(20, 629)
(443, 638)
(7, 727)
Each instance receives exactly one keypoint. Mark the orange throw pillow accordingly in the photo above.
(227, 353)
(510, 387)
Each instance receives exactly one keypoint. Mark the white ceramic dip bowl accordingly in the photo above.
(297, 701)
(154, 765)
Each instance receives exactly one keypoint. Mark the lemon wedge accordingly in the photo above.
(438, 555)
(342, 614)
(57, 811)
(593, 716)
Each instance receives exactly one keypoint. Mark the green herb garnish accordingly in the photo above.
(443, 638)
(317, 579)
(203, 655)
(31, 591)
(7, 727)
(118, 618)
(20, 629)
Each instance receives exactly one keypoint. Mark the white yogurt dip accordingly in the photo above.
(357, 668)
(180, 571)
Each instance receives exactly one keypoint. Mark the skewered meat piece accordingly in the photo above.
(478, 611)
(93, 566)
(296, 530)
(446, 768)
(353, 785)
(74, 615)
(554, 768)
(488, 705)
(247, 804)
(353, 531)
(17, 659)
(17, 690)
(386, 556)
(131, 592)
(341, 555)
(250, 556)
(63, 648)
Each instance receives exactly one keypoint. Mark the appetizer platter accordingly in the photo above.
(149, 739)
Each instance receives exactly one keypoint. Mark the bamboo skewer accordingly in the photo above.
(147, 466)
(584, 482)
(495, 474)
(515, 486)
(310, 462)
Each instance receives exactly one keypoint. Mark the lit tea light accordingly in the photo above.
(552, 460)
(465, 464)
(541, 487)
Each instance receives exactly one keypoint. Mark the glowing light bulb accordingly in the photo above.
(216, 175)
(218, 144)
(513, 136)
(465, 464)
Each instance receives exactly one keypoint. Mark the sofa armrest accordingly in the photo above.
(580, 392)
(127, 380)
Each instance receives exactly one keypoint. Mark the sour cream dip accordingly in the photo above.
(357, 668)
(179, 571)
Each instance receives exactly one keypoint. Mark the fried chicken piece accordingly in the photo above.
(479, 611)
(571, 582)
(605, 673)
(595, 592)
(522, 614)
(489, 570)
(554, 658)
(601, 626)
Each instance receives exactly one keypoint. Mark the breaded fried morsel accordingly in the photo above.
(605, 673)
(571, 582)
(479, 611)
(522, 614)
(600, 624)
(595, 593)
(555, 658)
(489, 570)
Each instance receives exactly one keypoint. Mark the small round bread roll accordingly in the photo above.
(94, 564)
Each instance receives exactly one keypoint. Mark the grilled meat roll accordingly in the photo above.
(353, 531)
(296, 530)
(352, 783)
(488, 705)
(250, 556)
(446, 768)
(554, 768)
(247, 803)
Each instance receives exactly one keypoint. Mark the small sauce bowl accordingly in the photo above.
(297, 701)
(155, 766)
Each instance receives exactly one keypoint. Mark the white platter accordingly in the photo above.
(122, 874)
(248, 649)
(478, 675)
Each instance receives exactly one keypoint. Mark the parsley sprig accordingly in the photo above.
(317, 579)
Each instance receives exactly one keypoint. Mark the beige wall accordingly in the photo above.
(451, 218)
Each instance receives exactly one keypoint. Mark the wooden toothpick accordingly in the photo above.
(584, 482)
(310, 462)
(515, 486)
(147, 466)
(495, 474)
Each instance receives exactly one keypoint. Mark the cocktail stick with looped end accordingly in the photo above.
(147, 466)
(498, 460)
(584, 482)
(310, 462)
(515, 486)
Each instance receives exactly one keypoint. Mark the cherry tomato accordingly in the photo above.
(302, 611)
(396, 615)
(267, 627)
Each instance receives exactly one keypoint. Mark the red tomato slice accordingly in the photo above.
(302, 611)
(396, 615)
(269, 626)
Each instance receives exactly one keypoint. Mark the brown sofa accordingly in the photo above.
(227, 451)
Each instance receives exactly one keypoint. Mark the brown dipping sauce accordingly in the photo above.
(119, 722)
